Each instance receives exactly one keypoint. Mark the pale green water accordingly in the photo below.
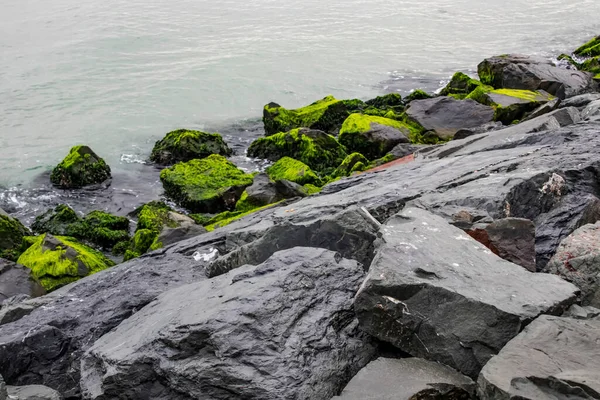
(119, 74)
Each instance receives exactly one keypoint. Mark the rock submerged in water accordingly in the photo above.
(82, 167)
(186, 145)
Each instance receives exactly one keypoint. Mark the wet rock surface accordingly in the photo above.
(32, 392)
(17, 280)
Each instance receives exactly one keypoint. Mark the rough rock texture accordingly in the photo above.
(579, 312)
(510, 104)
(263, 191)
(445, 115)
(32, 392)
(12, 232)
(408, 378)
(16, 279)
(434, 292)
(591, 111)
(282, 330)
(553, 358)
(81, 167)
(185, 145)
(513, 239)
(544, 109)
(2, 389)
(577, 259)
(581, 100)
(17, 307)
(490, 126)
(183, 228)
(405, 149)
(516, 71)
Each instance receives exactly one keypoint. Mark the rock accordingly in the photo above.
(58, 261)
(353, 163)
(33, 392)
(489, 127)
(589, 49)
(3, 394)
(580, 101)
(544, 109)
(293, 170)
(579, 312)
(510, 104)
(210, 185)
(184, 228)
(553, 358)
(325, 115)
(289, 189)
(434, 292)
(577, 260)
(15, 308)
(316, 149)
(408, 378)
(12, 233)
(417, 94)
(512, 239)
(56, 221)
(390, 101)
(460, 86)
(406, 149)
(81, 167)
(445, 115)
(262, 191)
(186, 145)
(15, 280)
(514, 71)
(374, 136)
(282, 330)
(591, 110)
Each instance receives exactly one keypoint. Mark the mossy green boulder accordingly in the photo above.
(185, 145)
(56, 221)
(417, 94)
(460, 86)
(326, 115)
(210, 185)
(374, 136)
(591, 65)
(80, 168)
(510, 104)
(293, 170)
(58, 260)
(355, 162)
(590, 49)
(12, 233)
(317, 149)
(387, 102)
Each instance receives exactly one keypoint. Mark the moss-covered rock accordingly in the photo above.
(56, 221)
(326, 114)
(591, 65)
(355, 162)
(210, 185)
(417, 95)
(590, 49)
(58, 261)
(294, 171)
(153, 216)
(314, 148)
(80, 168)
(374, 136)
(509, 104)
(390, 101)
(185, 145)
(227, 217)
(460, 86)
(12, 233)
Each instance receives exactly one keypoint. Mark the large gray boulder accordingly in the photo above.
(282, 330)
(179, 227)
(15, 279)
(445, 115)
(32, 392)
(406, 379)
(515, 71)
(436, 293)
(553, 358)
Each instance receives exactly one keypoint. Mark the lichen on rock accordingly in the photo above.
(185, 145)
(80, 168)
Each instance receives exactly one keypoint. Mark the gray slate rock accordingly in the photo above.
(436, 293)
(543, 109)
(489, 127)
(15, 308)
(3, 393)
(263, 191)
(580, 101)
(406, 379)
(515, 71)
(553, 358)
(288, 189)
(445, 116)
(282, 330)
(33, 392)
(15, 279)
(375, 142)
(185, 228)
(592, 110)
(406, 149)
(579, 312)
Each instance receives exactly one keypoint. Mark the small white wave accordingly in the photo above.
(132, 159)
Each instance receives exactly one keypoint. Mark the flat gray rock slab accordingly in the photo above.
(436, 293)
(16, 279)
(32, 392)
(406, 379)
(553, 358)
(282, 330)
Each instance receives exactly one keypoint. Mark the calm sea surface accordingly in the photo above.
(117, 75)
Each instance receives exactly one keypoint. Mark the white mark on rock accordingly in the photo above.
(555, 185)
(206, 257)
(461, 237)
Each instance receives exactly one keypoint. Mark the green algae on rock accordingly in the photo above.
(185, 145)
(374, 136)
(80, 168)
(509, 104)
(314, 148)
(292, 170)
(417, 95)
(355, 162)
(590, 49)
(209, 185)
(12, 233)
(460, 86)
(390, 101)
(58, 260)
(56, 221)
(326, 114)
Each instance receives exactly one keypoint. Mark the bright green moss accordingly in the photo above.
(597, 77)
(569, 59)
(292, 170)
(153, 216)
(228, 217)
(80, 168)
(143, 240)
(590, 49)
(185, 145)
(391, 102)
(130, 255)
(311, 189)
(12, 233)
(55, 221)
(417, 95)
(244, 204)
(460, 86)
(202, 219)
(349, 165)
(591, 65)
(209, 185)
(509, 104)
(316, 149)
(57, 261)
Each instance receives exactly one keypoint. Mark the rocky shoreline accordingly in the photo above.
(433, 246)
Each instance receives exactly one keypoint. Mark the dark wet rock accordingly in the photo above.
(182, 228)
(262, 333)
(81, 167)
(580, 101)
(289, 190)
(15, 308)
(432, 291)
(406, 149)
(445, 115)
(32, 392)
(185, 145)
(553, 358)
(490, 126)
(373, 136)
(543, 109)
(510, 105)
(12, 232)
(56, 221)
(16, 279)
(577, 260)
(263, 191)
(516, 71)
(3, 393)
(592, 110)
(581, 312)
(512, 239)
(460, 86)
(408, 378)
